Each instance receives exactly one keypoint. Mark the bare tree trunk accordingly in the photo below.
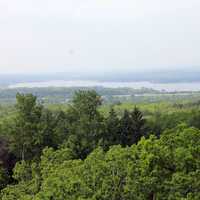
(152, 196)
(23, 152)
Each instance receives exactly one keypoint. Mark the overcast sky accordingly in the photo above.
(98, 35)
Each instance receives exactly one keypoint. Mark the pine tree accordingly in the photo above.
(112, 123)
(138, 125)
(125, 128)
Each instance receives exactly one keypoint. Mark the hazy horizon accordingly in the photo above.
(123, 77)
(107, 70)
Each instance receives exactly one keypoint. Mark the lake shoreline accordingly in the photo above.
(167, 87)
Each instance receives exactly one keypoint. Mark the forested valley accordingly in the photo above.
(89, 151)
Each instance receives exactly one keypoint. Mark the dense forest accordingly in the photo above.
(90, 151)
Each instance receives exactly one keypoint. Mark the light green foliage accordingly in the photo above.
(167, 168)
(30, 174)
(50, 159)
(24, 130)
(85, 123)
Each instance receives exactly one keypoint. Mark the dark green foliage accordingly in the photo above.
(4, 177)
(7, 162)
(138, 125)
(53, 128)
(132, 127)
(160, 121)
(126, 131)
(112, 132)
(60, 129)
(46, 128)
(195, 119)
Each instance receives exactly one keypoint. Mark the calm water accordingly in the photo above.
(195, 86)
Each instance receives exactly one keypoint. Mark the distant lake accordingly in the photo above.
(170, 87)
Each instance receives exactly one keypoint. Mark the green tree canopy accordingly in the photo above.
(165, 168)
(86, 123)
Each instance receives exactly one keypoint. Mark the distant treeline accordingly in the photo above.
(59, 95)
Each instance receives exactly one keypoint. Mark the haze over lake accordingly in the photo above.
(169, 87)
